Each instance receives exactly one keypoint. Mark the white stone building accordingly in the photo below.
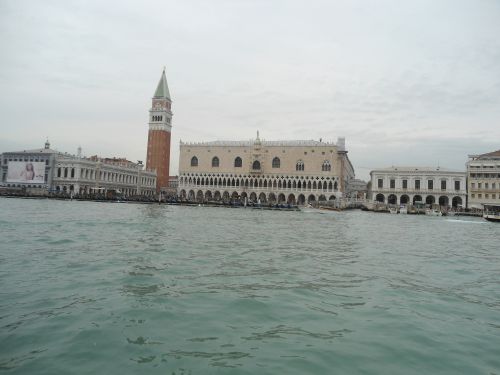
(265, 171)
(77, 175)
(483, 176)
(407, 185)
(43, 171)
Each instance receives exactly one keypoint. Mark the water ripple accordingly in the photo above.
(100, 288)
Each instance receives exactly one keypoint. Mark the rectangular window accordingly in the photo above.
(486, 185)
(486, 196)
(405, 184)
(479, 185)
(493, 185)
(417, 184)
(443, 184)
(380, 183)
(480, 195)
(393, 184)
(430, 184)
(473, 195)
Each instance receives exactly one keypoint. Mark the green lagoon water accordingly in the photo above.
(100, 288)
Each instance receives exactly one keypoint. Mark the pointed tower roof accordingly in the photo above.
(162, 89)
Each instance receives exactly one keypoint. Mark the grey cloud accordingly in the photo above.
(388, 75)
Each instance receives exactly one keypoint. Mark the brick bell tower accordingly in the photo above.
(160, 126)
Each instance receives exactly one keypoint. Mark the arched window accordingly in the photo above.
(65, 172)
(72, 172)
(276, 162)
(58, 172)
(194, 161)
(299, 166)
(238, 162)
(326, 166)
(215, 162)
(256, 165)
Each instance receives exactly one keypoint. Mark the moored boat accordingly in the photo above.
(433, 212)
(492, 213)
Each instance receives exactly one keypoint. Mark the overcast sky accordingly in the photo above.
(406, 82)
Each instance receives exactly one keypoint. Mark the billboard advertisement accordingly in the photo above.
(27, 172)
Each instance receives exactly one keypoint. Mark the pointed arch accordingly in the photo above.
(238, 162)
(262, 198)
(326, 166)
(276, 162)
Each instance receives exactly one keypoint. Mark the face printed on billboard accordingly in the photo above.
(26, 172)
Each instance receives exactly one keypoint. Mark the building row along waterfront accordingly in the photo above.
(408, 185)
(483, 178)
(43, 171)
(293, 172)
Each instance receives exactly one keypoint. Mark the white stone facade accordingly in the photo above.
(83, 176)
(269, 171)
(483, 176)
(407, 185)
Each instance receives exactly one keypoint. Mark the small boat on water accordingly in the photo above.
(329, 208)
(433, 212)
(393, 210)
(492, 213)
(403, 209)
